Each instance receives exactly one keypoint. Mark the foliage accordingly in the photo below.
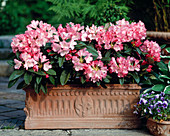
(155, 14)
(77, 54)
(112, 13)
(156, 106)
(91, 11)
(17, 14)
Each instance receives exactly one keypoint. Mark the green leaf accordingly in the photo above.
(27, 78)
(11, 62)
(38, 79)
(138, 50)
(98, 83)
(162, 65)
(158, 87)
(68, 40)
(109, 77)
(64, 77)
(61, 61)
(38, 73)
(51, 72)
(36, 88)
(52, 80)
(147, 90)
(106, 80)
(164, 76)
(106, 59)
(135, 76)
(167, 89)
(169, 66)
(107, 54)
(16, 74)
(43, 88)
(121, 80)
(83, 80)
(168, 49)
(21, 85)
(12, 82)
(163, 46)
(17, 55)
(92, 51)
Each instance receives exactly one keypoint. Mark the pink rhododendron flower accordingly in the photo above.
(121, 66)
(18, 64)
(95, 71)
(153, 50)
(35, 68)
(47, 66)
(29, 63)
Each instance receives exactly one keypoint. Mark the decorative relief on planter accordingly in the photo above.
(83, 106)
(103, 108)
(159, 128)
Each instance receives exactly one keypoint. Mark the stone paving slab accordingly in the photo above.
(81, 132)
(13, 114)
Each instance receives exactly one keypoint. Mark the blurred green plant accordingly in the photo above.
(162, 16)
(90, 12)
(112, 13)
(16, 14)
(155, 14)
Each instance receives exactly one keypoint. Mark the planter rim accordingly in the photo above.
(164, 122)
(109, 86)
(165, 36)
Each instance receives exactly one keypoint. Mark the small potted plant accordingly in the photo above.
(155, 107)
(75, 74)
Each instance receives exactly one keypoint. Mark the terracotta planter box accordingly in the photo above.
(158, 128)
(72, 106)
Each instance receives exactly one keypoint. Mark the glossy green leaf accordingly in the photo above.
(51, 72)
(163, 46)
(162, 65)
(121, 80)
(83, 80)
(168, 49)
(12, 82)
(52, 80)
(158, 87)
(27, 78)
(167, 89)
(16, 74)
(64, 77)
(36, 88)
(135, 76)
(92, 51)
(61, 61)
(21, 85)
(43, 88)
(11, 62)
(106, 80)
(38, 79)
(41, 73)
(107, 54)
(164, 76)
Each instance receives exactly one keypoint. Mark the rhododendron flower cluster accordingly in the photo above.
(95, 71)
(121, 66)
(93, 53)
(29, 44)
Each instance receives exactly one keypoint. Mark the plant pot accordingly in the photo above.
(158, 128)
(73, 106)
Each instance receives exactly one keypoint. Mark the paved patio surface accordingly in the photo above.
(12, 119)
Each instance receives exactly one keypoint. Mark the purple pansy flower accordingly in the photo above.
(165, 104)
(143, 101)
(158, 110)
(159, 103)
